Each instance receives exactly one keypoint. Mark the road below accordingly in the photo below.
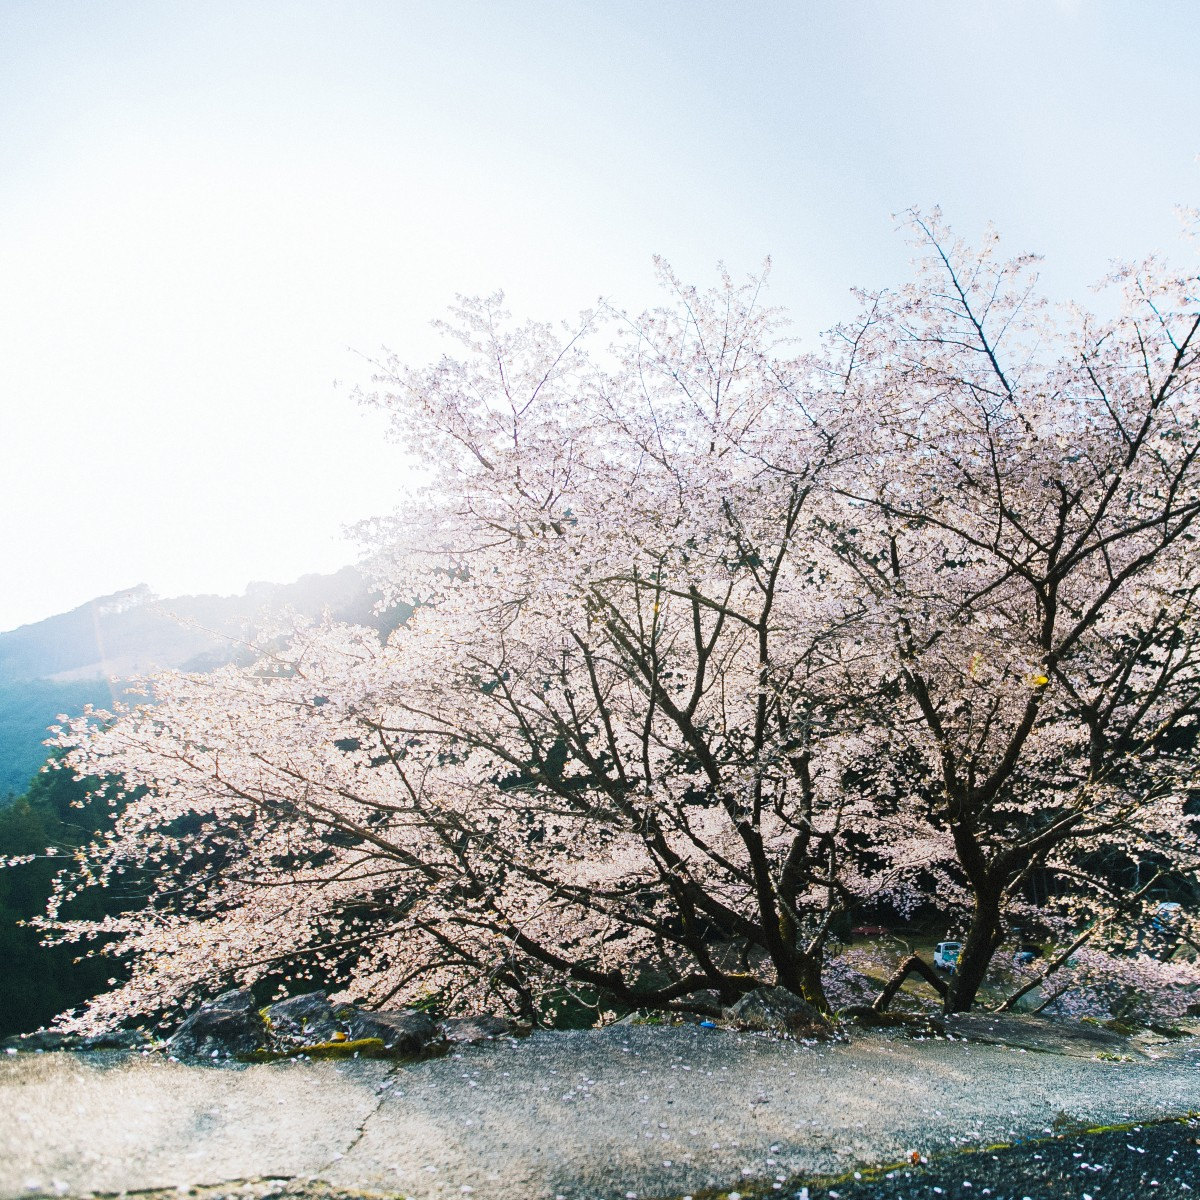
(626, 1111)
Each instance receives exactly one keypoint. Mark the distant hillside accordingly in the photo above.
(66, 661)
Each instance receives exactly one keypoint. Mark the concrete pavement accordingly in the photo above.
(647, 1111)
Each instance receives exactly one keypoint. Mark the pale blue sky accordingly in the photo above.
(210, 211)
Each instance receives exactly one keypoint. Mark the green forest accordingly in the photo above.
(39, 982)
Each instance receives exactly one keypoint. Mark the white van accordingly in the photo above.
(945, 956)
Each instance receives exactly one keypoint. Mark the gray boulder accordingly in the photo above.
(225, 1027)
(779, 1011)
(307, 1020)
(405, 1034)
(311, 1020)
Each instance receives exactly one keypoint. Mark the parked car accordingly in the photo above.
(945, 956)
(1167, 917)
(1025, 953)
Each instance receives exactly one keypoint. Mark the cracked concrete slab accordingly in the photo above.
(109, 1121)
(649, 1110)
(1077, 1038)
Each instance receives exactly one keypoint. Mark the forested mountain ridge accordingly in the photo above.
(68, 660)
(133, 631)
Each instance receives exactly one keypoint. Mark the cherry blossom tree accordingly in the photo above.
(1023, 514)
(713, 643)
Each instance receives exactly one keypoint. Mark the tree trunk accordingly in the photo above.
(812, 988)
(983, 936)
(913, 965)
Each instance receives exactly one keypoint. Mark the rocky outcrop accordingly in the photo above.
(311, 1025)
(54, 1039)
(302, 1023)
(777, 1010)
(232, 1027)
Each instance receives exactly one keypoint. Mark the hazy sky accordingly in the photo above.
(209, 212)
